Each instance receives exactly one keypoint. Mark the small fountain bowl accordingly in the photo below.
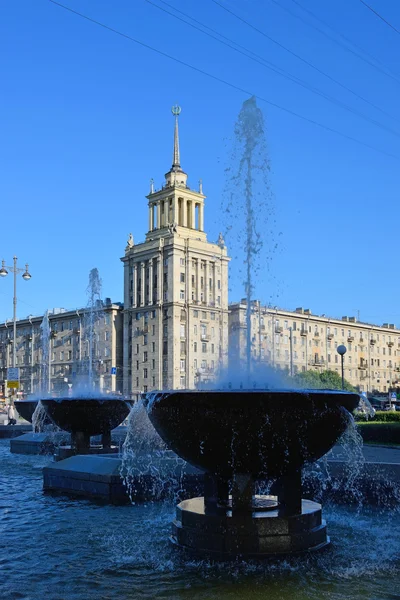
(91, 415)
(26, 408)
(265, 433)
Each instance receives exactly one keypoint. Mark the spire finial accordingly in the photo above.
(176, 163)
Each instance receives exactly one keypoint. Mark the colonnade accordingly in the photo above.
(203, 291)
(182, 212)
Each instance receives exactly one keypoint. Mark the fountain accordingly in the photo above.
(239, 438)
(88, 412)
(243, 437)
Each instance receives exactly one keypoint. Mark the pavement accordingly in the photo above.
(372, 453)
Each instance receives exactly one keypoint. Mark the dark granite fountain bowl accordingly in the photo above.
(26, 408)
(92, 416)
(265, 433)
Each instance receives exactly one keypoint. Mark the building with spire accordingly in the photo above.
(175, 291)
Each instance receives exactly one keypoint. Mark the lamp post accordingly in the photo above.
(342, 351)
(26, 275)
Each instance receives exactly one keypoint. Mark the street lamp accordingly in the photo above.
(342, 351)
(26, 275)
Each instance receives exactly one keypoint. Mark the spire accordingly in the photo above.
(176, 163)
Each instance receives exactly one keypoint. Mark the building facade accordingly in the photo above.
(68, 351)
(175, 291)
(296, 341)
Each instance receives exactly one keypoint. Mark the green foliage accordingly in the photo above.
(380, 433)
(381, 416)
(325, 380)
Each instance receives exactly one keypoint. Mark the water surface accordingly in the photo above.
(54, 548)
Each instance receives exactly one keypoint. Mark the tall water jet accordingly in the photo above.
(248, 192)
(45, 347)
(92, 315)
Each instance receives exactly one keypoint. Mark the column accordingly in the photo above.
(159, 280)
(197, 295)
(201, 217)
(151, 281)
(134, 304)
(193, 215)
(159, 214)
(150, 211)
(143, 284)
(184, 213)
(214, 282)
(151, 217)
(206, 276)
(174, 210)
(166, 212)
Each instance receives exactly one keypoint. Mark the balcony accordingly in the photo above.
(205, 337)
(316, 334)
(329, 336)
(77, 331)
(361, 340)
(262, 327)
(303, 332)
(372, 341)
(350, 338)
(362, 366)
(278, 329)
(390, 344)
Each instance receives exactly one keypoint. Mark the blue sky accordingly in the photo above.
(86, 123)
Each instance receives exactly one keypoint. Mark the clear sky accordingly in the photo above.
(86, 122)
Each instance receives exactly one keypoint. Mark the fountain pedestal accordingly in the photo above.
(242, 523)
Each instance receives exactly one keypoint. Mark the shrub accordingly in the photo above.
(382, 416)
(382, 433)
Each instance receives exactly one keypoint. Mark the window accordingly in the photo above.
(204, 364)
(183, 331)
(144, 373)
(183, 381)
(153, 346)
(204, 347)
(69, 354)
(195, 329)
(137, 365)
(213, 316)
(182, 294)
(153, 381)
(195, 363)
(137, 316)
(137, 382)
(106, 336)
(145, 339)
(144, 356)
(62, 355)
(182, 279)
(212, 348)
(182, 261)
(182, 364)
(137, 349)
(153, 363)
(195, 347)
(183, 347)
(195, 313)
(204, 314)
(153, 330)
(153, 314)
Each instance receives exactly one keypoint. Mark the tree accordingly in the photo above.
(325, 380)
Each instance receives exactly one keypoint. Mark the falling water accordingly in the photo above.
(249, 194)
(45, 344)
(92, 315)
(148, 469)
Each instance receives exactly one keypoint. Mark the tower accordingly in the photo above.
(175, 291)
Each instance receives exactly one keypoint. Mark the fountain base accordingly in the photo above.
(265, 531)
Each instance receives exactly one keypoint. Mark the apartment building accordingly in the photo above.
(67, 356)
(297, 340)
(175, 291)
